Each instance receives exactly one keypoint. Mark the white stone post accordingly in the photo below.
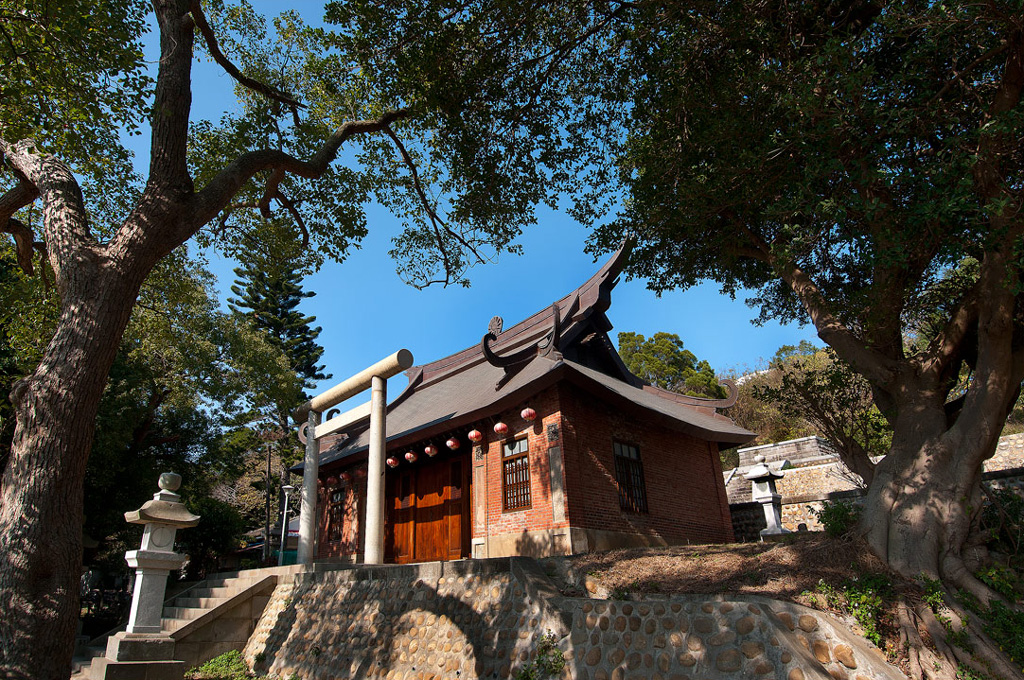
(373, 552)
(143, 650)
(307, 511)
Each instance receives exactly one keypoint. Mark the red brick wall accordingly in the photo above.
(686, 498)
(539, 515)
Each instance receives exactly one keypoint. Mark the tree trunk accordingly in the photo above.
(41, 512)
(921, 505)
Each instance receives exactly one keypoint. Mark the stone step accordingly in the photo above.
(222, 591)
(196, 602)
(171, 625)
(187, 613)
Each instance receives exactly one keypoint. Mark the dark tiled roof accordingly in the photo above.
(470, 395)
(465, 387)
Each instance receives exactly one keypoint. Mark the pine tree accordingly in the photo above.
(270, 292)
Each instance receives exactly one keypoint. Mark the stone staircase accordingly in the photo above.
(233, 601)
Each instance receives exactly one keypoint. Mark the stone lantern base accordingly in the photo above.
(138, 656)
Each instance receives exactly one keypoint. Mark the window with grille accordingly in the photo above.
(336, 516)
(629, 472)
(516, 475)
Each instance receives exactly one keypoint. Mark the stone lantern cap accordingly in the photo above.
(166, 507)
(761, 471)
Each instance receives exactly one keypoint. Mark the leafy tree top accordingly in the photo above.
(661, 360)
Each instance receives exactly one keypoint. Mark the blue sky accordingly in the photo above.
(366, 312)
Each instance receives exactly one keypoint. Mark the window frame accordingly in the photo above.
(337, 499)
(520, 493)
(629, 478)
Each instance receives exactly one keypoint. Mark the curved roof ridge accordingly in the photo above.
(594, 297)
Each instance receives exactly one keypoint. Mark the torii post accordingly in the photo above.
(374, 377)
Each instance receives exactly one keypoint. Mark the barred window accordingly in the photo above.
(629, 473)
(336, 516)
(515, 468)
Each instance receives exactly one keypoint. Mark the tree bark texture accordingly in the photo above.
(41, 512)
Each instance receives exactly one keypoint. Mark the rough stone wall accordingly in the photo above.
(467, 619)
(686, 499)
(819, 478)
(485, 618)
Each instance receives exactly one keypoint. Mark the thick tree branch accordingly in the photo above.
(946, 344)
(208, 202)
(65, 220)
(873, 365)
(168, 168)
(199, 18)
(21, 195)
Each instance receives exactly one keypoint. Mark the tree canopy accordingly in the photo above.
(661, 360)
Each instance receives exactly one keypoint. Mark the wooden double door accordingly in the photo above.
(428, 511)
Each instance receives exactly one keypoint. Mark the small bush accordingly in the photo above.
(838, 517)
(549, 663)
(227, 666)
(864, 598)
(1003, 518)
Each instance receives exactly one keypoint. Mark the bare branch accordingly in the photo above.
(199, 19)
(959, 77)
(434, 220)
(296, 215)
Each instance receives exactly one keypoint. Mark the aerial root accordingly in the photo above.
(925, 663)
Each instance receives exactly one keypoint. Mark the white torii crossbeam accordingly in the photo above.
(375, 377)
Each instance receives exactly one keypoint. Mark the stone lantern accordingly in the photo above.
(762, 479)
(144, 648)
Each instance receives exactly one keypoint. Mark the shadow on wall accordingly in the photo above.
(542, 544)
(341, 624)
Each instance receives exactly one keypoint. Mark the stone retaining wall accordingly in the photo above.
(820, 478)
(485, 618)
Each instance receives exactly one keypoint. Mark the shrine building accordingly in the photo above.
(535, 441)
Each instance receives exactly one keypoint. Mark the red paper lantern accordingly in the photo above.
(392, 461)
(410, 456)
(528, 414)
(452, 443)
(332, 481)
(346, 477)
(500, 428)
(475, 436)
(430, 450)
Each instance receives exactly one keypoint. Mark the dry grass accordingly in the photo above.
(778, 570)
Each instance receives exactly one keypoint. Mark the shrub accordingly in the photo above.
(227, 666)
(549, 663)
(838, 517)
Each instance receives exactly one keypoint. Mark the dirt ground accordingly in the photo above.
(780, 570)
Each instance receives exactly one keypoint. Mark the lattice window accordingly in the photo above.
(336, 515)
(516, 475)
(629, 473)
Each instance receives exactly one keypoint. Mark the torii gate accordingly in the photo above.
(374, 377)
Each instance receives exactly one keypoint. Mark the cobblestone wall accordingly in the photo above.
(485, 618)
(818, 477)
